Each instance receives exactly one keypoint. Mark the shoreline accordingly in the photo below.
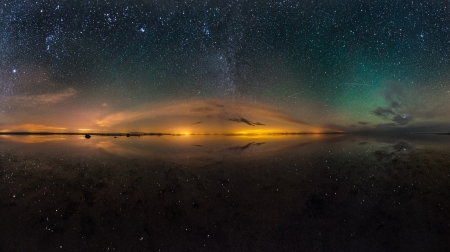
(164, 134)
(215, 134)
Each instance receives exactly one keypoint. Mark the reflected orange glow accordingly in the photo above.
(114, 147)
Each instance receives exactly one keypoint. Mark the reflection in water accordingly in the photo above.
(32, 138)
(246, 146)
(216, 193)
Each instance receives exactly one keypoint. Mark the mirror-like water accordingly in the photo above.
(217, 193)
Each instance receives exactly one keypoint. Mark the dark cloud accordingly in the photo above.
(198, 122)
(383, 112)
(243, 120)
(239, 120)
(389, 114)
(363, 123)
(402, 119)
(399, 108)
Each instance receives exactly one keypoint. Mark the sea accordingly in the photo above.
(311, 192)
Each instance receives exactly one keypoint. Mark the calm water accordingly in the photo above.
(216, 193)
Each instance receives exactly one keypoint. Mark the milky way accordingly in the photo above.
(221, 66)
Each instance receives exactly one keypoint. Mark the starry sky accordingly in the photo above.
(225, 66)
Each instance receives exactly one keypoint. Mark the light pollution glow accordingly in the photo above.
(58, 112)
(213, 116)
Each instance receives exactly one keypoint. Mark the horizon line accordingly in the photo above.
(156, 133)
(204, 134)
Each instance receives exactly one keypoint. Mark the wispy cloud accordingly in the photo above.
(408, 109)
(30, 128)
(49, 98)
(399, 109)
(402, 109)
(214, 113)
(243, 120)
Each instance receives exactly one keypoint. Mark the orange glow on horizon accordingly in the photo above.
(32, 128)
(48, 129)
(199, 117)
(195, 117)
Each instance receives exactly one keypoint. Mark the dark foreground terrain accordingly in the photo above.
(292, 193)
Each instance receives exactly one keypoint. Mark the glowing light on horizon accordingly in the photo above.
(32, 128)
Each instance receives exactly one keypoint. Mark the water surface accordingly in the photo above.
(225, 193)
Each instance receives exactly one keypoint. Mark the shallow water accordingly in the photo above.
(225, 193)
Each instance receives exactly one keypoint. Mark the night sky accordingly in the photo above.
(225, 66)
